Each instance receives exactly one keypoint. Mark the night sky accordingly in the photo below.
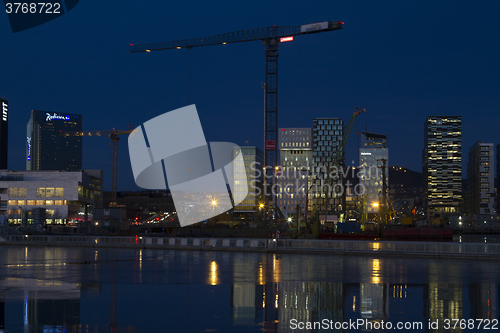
(401, 60)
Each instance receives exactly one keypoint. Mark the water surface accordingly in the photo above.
(128, 290)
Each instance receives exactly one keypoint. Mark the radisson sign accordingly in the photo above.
(28, 141)
(55, 116)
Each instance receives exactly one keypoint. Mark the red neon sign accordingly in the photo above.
(286, 39)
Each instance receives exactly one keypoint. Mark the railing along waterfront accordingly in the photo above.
(274, 245)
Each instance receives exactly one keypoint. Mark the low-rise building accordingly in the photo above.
(66, 196)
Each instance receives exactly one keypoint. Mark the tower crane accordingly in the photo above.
(271, 37)
(113, 135)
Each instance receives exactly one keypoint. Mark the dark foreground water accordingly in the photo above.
(120, 290)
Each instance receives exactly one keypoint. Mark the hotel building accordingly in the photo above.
(46, 148)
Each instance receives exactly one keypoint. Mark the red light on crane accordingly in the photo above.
(286, 39)
(341, 22)
(131, 44)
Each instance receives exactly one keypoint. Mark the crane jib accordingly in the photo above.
(240, 36)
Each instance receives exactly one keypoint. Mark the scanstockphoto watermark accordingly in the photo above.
(291, 180)
(358, 324)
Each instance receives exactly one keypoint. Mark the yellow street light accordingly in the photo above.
(214, 203)
(375, 204)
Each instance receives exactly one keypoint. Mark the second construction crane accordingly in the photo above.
(113, 135)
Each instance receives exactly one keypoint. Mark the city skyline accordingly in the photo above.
(402, 62)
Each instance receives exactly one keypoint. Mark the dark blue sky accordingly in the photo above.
(401, 60)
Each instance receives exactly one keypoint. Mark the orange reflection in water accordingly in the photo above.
(214, 278)
(376, 271)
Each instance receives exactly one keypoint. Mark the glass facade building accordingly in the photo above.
(371, 157)
(481, 179)
(328, 192)
(295, 146)
(46, 149)
(4, 133)
(442, 165)
(253, 158)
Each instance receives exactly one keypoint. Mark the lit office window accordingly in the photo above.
(58, 202)
(49, 202)
(40, 202)
(30, 202)
(21, 202)
(49, 192)
(12, 202)
(40, 192)
(21, 192)
(13, 192)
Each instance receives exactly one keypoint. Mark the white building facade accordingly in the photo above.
(67, 196)
(295, 145)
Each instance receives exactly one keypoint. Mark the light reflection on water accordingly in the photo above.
(89, 290)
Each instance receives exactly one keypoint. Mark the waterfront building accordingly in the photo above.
(481, 179)
(66, 196)
(442, 165)
(328, 191)
(4, 133)
(371, 160)
(295, 145)
(253, 159)
(46, 148)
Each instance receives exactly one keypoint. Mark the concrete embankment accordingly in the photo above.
(303, 246)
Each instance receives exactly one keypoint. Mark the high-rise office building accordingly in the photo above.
(481, 179)
(442, 165)
(46, 148)
(371, 160)
(329, 189)
(4, 133)
(295, 146)
(253, 174)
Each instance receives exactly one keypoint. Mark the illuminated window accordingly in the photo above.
(40, 202)
(49, 202)
(49, 192)
(13, 192)
(40, 192)
(12, 202)
(21, 202)
(30, 202)
(59, 202)
(21, 192)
